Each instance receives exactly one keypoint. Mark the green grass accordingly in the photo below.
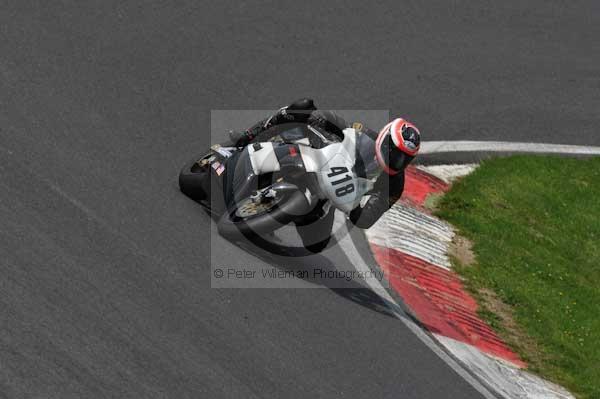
(535, 226)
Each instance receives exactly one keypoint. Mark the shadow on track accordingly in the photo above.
(300, 261)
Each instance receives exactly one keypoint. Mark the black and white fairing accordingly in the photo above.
(345, 170)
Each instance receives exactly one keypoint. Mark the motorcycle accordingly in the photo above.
(297, 173)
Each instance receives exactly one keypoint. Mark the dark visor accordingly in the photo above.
(392, 156)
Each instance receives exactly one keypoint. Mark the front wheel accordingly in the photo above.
(250, 218)
(316, 234)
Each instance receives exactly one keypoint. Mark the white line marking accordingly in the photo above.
(449, 173)
(343, 238)
(342, 235)
(507, 379)
(432, 147)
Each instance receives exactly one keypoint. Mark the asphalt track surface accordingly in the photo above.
(105, 284)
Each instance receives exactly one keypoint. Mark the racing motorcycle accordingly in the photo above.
(295, 174)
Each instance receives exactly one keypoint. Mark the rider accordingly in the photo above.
(394, 147)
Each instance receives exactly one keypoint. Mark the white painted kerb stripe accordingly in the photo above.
(506, 379)
(415, 233)
(432, 147)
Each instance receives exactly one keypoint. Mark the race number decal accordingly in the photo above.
(335, 180)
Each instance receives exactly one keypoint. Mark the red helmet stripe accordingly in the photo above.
(396, 131)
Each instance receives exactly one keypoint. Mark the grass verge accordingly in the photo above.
(534, 223)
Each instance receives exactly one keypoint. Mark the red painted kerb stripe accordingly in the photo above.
(438, 299)
(418, 185)
(435, 295)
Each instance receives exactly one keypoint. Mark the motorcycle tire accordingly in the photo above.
(194, 181)
(289, 208)
(316, 234)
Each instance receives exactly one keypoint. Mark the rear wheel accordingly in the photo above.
(194, 179)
